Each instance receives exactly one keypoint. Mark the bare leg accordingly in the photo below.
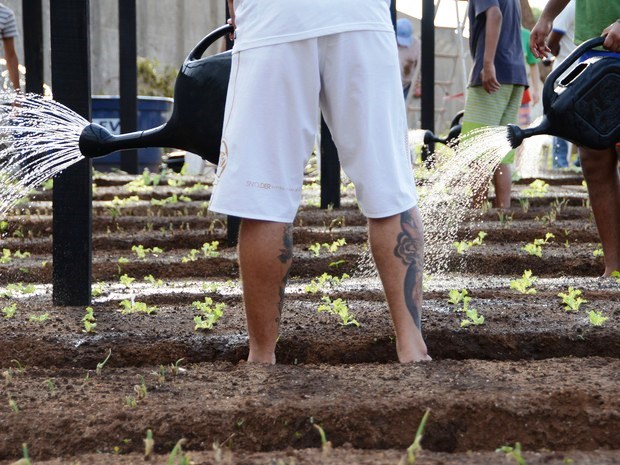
(397, 245)
(265, 257)
(502, 179)
(600, 170)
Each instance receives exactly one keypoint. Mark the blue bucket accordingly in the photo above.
(152, 112)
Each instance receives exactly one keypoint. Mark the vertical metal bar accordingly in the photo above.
(330, 170)
(72, 194)
(33, 44)
(428, 65)
(128, 51)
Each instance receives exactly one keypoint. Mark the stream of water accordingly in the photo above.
(38, 139)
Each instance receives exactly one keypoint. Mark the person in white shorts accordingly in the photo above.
(290, 60)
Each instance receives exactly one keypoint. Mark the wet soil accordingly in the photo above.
(533, 373)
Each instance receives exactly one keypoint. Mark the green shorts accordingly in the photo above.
(497, 109)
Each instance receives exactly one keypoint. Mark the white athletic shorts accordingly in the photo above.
(272, 114)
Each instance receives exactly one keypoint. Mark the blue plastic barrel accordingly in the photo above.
(152, 112)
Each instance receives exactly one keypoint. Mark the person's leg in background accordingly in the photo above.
(600, 170)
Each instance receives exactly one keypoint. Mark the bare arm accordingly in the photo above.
(492, 30)
(553, 42)
(12, 63)
(543, 27)
(535, 77)
(231, 10)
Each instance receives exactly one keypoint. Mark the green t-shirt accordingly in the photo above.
(530, 59)
(593, 16)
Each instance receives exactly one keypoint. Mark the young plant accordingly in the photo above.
(192, 256)
(210, 313)
(122, 261)
(326, 446)
(514, 452)
(464, 246)
(537, 188)
(616, 275)
(102, 364)
(155, 282)
(456, 296)
(525, 284)
(472, 318)
(97, 290)
(571, 299)
(89, 321)
(339, 308)
(126, 280)
(415, 448)
(535, 248)
(9, 311)
(39, 318)
(51, 387)
(141, 251)
(140, 389)
(598, 252)
(131, 306)
(149, 444)
(315, 249)
(596, 318)
(323, 282)
(210, 249)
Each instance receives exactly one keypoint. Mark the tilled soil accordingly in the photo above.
(533, 373)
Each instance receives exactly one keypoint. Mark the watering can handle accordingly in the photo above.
(204, 44)
(548, 91)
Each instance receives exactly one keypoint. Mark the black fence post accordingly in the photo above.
(428, 65)
(72, 193)
(128, 51)
(33, 44)
(330, 170)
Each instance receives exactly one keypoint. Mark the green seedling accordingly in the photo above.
(100, 365)
(535, 248)
(51, 387)
(472, 318)
(571, 299)
(596, 318)
(537, 188)
(25, 460)
(323, 282)
(192, 256)
(337, 264)
(413, 451)
(141, 251)
(616, 275)
(339, 308)
(155, 282)
(149, 444)
(17, 289)
(209, 249)
(456, 296)
(122, 261)
(140, 389)
(126, 280)
(176, 368)
(19, 366)
(97, 290)
(513, 452)
(525, 204)
(9, 311)
(598, 252)
(6, 256)
(130, 306)
(334, 246)
(326, 446)
(525, 284)
(42, 318)
(210, 313)
(13, 405)
(464, 246)
(130, 401)
(504, 218)
(178, 451)
(315, 249)
(89, 321)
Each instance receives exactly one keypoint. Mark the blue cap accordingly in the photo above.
(404, 32)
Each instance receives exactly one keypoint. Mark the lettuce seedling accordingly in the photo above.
(525, 284)
(464, 246)
(456, 296)
(472, 318)
(39, 318)
(514, 452)
(571, 299)
(537, 188)
(126, 280)
(9, 311)
(535, 248)
(130, 306)
(339, 308)
(89, 321)
(596, 318)
(210, 249)
(210, 313)
(155, 282)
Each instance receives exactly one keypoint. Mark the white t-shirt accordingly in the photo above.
(565, 24)
(267, 22)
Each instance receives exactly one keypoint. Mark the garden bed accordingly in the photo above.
(532, 372)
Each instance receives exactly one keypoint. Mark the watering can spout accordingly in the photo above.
(96, 141)
(516, 134)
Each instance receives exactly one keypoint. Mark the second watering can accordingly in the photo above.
(582, 106)
(197, 115)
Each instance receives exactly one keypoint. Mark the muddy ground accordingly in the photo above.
(532, 373)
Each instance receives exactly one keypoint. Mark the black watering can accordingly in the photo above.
(584, 106)
(453, 134)
(197, 115)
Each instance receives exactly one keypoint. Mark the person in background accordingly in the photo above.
(291, 61)
(408, 53)
(531, 95)
(497, 80)
(561, 42)
(600, 167)
(8, 31)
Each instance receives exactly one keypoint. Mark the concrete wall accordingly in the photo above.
(167, 30)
